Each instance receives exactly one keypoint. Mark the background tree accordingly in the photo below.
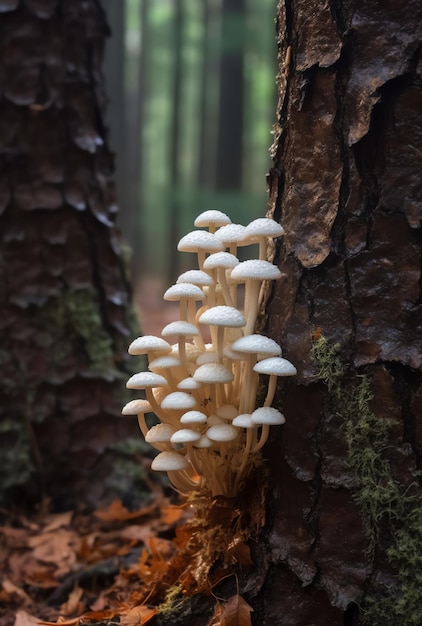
(64, 295)
(344, 513)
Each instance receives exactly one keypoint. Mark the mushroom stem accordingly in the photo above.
(271, 390)
(224, 287)
(251, 304)
(263, 438)
(245, 458)
(142, 423)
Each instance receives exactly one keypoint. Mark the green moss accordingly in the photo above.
(383, 501)
(173, 603)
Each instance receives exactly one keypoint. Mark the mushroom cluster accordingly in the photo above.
(210, 432)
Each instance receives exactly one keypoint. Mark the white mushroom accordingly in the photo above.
(193, 417)
(266, 416)
(148, 380)
(217, 263)
(274, 366)
(178, 401)
(186, 294)
(201, 242)
(253, 273)
(139, 408)
(150, 345)
(212, 219)
(182, 330)
(259, 231)
(222, 317)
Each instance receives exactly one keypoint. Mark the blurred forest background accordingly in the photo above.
(192, 89)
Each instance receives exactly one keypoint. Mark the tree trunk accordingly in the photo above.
(64, 316)
(344, 512)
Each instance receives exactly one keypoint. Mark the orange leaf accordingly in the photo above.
(137, 616)
(72, 604)
(117, 512)
(235, 612)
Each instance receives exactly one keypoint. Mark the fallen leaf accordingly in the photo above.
(137, 616)
(235, 612)
(57, 521)
(12, 589)
(72, 604)
(116, 511)
(25, 619)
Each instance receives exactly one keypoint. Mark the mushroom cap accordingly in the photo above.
(160, 433)
(199, 240)
(169, 461)
(221, 259)
(231, 354)
(222, 432)
(256, 344)
(223, 316)
(185, 435)
(164, 362)
(227, 411)
(178, 400)
(244, 420)
(183, 290)
(135, 407)
(189, 383)
(276, 366)
(255, 269)
(213, 420)
(209, 356)
(193, 417)
(204, 442)
(180, 327)
(195, 277)
(144, 344)
(268, 415)
(142, 380)
(212, 216)
(263, 227)
(232, 233)
(213, 373)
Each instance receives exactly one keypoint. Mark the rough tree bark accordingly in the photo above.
(344, 513)
(64, 317)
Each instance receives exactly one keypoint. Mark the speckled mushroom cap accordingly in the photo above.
(255, 269)
(232, 233)
(160, 433)
(185, 435)
(199, 240)
(169, 461)
(275, 366)
(164, 362)
(212, 217)
(267, 415)
(178, 400)
(244, 420)
(262, 227)
(183, 290)
(223, 316)
(222, 432)
(142, 380)
(134, 407)
(148, 343)
(221, 259)
(212, 373)
(180, 327)
(193, 417)
(256, 344)
(188, 384)
(195, 277)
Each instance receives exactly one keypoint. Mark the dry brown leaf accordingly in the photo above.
(58, 521)
(137, 616)
(12, 589)
(25, 619)
(235, 612)
(171, 514)
(116, 511)
(73, 603)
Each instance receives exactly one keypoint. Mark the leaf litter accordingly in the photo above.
(115, 564)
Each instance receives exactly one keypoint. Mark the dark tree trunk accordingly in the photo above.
(64, 317)
(345, 509)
